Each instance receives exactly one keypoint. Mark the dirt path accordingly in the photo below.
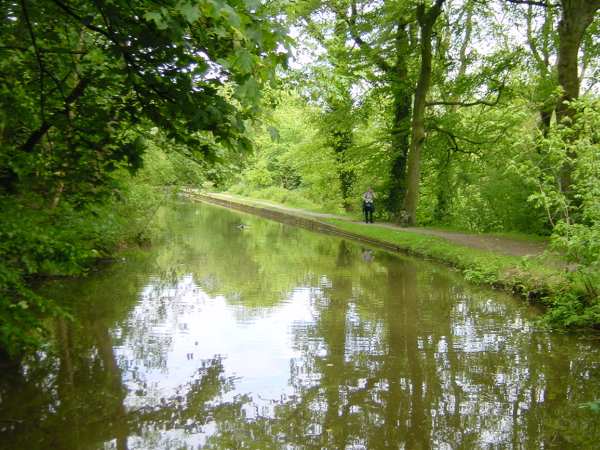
(507, 246)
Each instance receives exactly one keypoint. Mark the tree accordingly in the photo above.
(82, 84)
(82, 74)
(391, 61)
(576, 17)
(327, 82)
(426, 19)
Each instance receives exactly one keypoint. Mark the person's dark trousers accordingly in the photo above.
(368, 209)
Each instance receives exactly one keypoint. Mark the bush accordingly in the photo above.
(38, 242)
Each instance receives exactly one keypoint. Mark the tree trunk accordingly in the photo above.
(402, 93)
(577, 15)
(426, 22)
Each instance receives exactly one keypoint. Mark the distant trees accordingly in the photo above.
(449, 82)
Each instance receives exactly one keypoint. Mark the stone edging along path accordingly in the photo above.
(291, 218)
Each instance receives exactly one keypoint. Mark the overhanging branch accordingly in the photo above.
(455, 138)
(38, 58)
(534, 3)
(44, 50)
(83, 21)
(468, 104)
(35, 137)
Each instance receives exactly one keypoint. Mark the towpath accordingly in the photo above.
(497, 244)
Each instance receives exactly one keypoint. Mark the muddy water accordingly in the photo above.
(269, 336)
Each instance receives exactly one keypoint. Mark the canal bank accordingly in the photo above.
(528, 272)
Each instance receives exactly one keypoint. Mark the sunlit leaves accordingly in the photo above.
(243, 61)
(249, 90)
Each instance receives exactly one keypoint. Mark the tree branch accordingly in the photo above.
(531, 40)
(351, 21)
(468, 104)
(38, 58)
(35, 137)
(533, 3)
(83, 21)
(129, 60)
(454, 137)
(44, 50)
(465, 104)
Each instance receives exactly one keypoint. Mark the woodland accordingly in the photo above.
(473, 115)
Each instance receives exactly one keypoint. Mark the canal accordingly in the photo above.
(234, 332)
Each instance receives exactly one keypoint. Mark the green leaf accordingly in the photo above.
(274, 133)
(157, 18)
(190, 11)
(96, 56)
(592, 406)
(249, 90)
(232, 17)
(244, 61)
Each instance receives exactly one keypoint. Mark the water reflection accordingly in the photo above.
(271, 337)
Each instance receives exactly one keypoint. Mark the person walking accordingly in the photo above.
(368, 205)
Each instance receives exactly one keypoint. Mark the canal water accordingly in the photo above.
(266, 336)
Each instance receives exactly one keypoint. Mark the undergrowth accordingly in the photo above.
(36, 243)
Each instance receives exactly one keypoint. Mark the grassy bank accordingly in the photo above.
(520, 275)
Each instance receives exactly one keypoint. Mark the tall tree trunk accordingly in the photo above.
(577, 15)
(426, 22)
(342, 131)
(402, 93)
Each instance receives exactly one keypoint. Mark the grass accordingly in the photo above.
(287, 199)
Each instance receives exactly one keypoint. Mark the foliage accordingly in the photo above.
(91, 92)
(63, 241)
(573, 213)
(87, 90)
(291, 156)
(483, 104)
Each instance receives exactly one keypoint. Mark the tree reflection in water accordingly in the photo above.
(278, 338)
